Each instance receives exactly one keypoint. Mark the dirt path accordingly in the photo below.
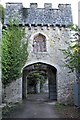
(36, 106)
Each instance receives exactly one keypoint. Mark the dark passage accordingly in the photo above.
(40, 78)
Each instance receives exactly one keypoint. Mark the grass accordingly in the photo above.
(59, 105)
(67, 111)
(9, 108)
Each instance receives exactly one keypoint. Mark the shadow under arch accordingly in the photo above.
(52, 78)
(41, 62)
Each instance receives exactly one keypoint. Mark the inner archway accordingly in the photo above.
(38, 74)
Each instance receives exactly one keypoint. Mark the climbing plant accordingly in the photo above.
(72, 53)
(14, 52)
(2, 13)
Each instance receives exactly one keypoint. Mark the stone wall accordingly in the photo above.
(35, 15)
(49, 22)
(0, 71)
(13, 92)
(56, 39)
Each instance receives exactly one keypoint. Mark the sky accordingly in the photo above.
(26, 3)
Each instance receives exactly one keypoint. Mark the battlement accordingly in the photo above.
(35, 15)
(48, 5)
(10, 4)
(33, 5)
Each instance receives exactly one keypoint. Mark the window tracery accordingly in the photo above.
(39, 43)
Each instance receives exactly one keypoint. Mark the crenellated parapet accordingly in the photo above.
(39, 16)
(13, 10)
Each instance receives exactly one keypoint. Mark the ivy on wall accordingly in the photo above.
(14, 52)
(2, 13)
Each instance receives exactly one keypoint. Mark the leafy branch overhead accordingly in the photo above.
(34, 77)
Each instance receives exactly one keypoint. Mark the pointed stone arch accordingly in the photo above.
(43, 62)
(39, 32)
(52, 76)
(39, 42)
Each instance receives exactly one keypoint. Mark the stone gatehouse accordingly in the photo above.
(47, 32)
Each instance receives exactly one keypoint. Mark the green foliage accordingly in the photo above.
(42, 81)
(74, 27)
(72, 52)
(34, 77)
(59, 105)
(14, 53)
(2, 13)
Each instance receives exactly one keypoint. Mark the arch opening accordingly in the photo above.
(40, 78)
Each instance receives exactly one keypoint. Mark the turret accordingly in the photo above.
(13, 10)
(66, 13)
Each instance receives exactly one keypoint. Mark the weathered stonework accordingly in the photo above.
(13, 92)
(51, 23)
(35, 15)
(55, 40)
(0, 72)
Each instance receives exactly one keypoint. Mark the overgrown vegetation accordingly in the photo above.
(14, 52)
(72, 53)
(59, 105)
(2, 13)
(34, 77)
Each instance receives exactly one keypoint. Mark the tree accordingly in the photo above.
(2, 13)
(34, 77)
(72, 53)
(14, 52)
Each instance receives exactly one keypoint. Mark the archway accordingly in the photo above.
(51, 73)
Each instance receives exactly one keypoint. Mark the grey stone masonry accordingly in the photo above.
(13, 92)
(0, 72)
(51, 24)
(36, 16)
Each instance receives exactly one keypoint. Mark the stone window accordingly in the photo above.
(39, 43)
